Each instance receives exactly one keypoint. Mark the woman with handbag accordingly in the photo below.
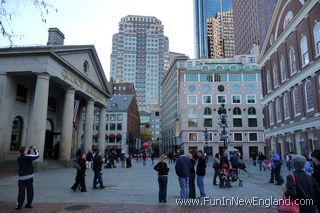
(216, 167)
(300, 187)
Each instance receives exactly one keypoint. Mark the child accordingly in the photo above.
(224, 175)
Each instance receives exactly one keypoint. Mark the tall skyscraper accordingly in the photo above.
(139, 54)
(246, 25)
(266, 8)
(221, 35)
(204, 9)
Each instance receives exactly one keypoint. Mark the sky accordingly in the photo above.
(95, 21)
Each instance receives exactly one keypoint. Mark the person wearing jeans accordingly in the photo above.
(183, 167)
(163, 171)
(26, 175)
(201, 172)
(97, 167)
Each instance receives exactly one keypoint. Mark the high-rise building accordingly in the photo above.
(246, 25)
(221, 35)
(204, 9)
(139, 54)
(265, 11)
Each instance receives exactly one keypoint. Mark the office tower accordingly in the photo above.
(246, 25)
(204, 9)
(265, 11)
(139, 54)
(221, 35)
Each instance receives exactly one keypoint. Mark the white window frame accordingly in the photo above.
(268, 78)
(225, 97)
(294, 101)
(255, 99)
(238, 133)
(306, 97)
(233, 95)
(305, 58)
(283, 70)
(278, 110)
(192, 103)
(316, 39)
(249, 136)
(206, 96)
(271, 115)
(292, 72)
(286, 107)
(192, 133)
(275, 75)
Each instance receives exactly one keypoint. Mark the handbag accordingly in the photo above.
(291, 207)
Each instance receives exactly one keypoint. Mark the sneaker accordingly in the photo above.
(73, 189)
(28, 206)
(102, 187)
(84, 190)
(18, 207)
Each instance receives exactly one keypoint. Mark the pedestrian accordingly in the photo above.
(261, 159)
(192, 178)
(80, 178)
(25, 179)
(89, 158)
(56, 150)
(170, 156)
(144, 158)
(201, 172)
(128, 161)
(224, 168)
(302, 186)
(183, 168)
(152, 158)
(163, 171)
(276, 168)
(216, 167)
(288, 157)
(315, 155)
(97, 169)
(122, 159)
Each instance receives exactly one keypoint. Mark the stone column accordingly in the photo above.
(39, 113)
(88, 132)
(80, 129)
(6, 123)
(67, 125)
(102, 129)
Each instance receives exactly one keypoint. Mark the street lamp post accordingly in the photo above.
(205, 133)
(223, 124)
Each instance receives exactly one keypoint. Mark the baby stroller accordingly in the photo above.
(233, 172)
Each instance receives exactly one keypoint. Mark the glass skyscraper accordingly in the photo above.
(204, 9)
(139, 54)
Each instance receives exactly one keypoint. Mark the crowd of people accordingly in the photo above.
(302, 182)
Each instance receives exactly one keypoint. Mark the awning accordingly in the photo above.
(112, 136)
(119, 136)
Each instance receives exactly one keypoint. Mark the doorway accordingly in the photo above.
(49, 141)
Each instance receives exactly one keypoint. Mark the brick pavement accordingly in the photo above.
(131, 190)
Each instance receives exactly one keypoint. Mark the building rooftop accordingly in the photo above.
(119, 103)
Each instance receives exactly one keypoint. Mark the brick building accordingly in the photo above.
(290, 60)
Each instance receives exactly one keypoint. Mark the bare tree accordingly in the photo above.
(7, 14)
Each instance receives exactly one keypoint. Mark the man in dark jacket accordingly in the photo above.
(305, 186)
(316, 170)
(97, 166)
(201, 172)
(81, 172)
(26, 175)
(183, 167)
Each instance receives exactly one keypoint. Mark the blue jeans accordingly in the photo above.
(184, 186)
(163, 182)
(97, 179)
(201, 185)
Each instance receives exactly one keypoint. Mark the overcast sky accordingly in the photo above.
(95, 21)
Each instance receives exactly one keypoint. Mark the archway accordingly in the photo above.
(16, 133)
(49, 140)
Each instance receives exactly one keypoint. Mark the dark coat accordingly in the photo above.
(183, 167)
(306, 188)
(234, 160)
(161, 168)
(25, 166)
(224, 160)
(97, 163)
(201, 166)
(82, 163)
(316, 174)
